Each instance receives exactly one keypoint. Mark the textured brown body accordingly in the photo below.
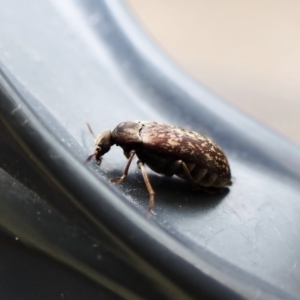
(169, 150)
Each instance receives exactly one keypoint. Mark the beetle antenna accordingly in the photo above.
(91, 130)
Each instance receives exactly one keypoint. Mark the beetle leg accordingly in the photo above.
(198, 174)
(182, 170)
(148, 185)
(121, 179)
(207, 182)
(188, 173)
(196, 177)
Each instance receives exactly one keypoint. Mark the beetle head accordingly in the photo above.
(102, 145)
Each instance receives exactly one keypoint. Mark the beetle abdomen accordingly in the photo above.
(168, 167)
(188, 146)
(204, 177)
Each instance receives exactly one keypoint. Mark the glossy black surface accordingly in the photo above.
(87, 61)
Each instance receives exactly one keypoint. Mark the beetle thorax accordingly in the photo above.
(127, 134)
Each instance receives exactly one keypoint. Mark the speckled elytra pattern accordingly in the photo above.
(186, 145)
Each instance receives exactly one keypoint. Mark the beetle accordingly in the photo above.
(167, 150)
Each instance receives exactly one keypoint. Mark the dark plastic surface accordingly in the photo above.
(66, 63)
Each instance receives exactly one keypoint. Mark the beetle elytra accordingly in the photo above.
(167, 150)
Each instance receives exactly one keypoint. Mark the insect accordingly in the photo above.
(167, 150)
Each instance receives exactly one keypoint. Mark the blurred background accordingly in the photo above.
(247, 52)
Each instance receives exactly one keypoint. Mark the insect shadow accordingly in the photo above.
(169, 191)
(176, 192)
